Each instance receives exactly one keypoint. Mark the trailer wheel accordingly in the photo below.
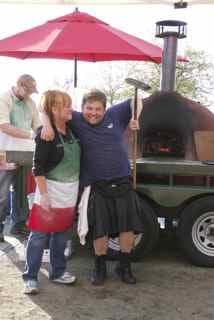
(145, 241)
(196, 232)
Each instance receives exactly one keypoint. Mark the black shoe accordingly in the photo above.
(125, 274)
(97, 278)
(99, 273)
(124, 270)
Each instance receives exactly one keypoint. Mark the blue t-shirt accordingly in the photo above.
(104, 153)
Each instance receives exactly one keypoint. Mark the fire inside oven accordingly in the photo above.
(163, 143)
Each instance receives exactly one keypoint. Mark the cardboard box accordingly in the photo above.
(204, 143)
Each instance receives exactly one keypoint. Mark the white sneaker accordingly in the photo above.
(66, 278)
(31, 287)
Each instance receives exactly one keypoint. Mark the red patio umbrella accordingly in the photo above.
(78, 36)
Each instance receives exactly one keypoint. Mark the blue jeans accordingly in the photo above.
(35, 246)
(6, 179)
(17, 205)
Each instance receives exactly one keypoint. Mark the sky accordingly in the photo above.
(138, 20)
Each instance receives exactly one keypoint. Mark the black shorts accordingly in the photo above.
(113, 208)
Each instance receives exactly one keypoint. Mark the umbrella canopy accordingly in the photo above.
(78, 36)
(116, 2)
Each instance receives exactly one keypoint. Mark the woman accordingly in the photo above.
(56, 171)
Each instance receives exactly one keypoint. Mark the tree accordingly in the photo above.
(112, 77)
(194, 79)
(111, 80)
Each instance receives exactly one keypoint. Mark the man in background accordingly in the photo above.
(19, 118)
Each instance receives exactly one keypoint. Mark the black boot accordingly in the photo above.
(99, 273)
(123, 269)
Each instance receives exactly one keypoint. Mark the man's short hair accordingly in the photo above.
(95, 95)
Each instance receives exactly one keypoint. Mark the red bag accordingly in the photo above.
(55, 220)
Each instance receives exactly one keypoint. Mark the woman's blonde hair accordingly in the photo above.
(49, 99)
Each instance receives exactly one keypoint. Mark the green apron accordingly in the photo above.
(21, 117)
(69, 167)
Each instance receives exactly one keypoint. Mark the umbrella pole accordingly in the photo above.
(75, 72)
(134, 153)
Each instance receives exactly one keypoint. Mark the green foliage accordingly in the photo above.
(194, 79)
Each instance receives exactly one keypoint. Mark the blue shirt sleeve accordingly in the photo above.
(74, 122)
(122, 111)
(75, 116)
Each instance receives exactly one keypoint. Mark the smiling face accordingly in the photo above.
(93, 112)
(93, 106)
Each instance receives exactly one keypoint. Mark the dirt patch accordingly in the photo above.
(168, 288)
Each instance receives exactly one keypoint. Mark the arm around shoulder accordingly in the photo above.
(47, 132)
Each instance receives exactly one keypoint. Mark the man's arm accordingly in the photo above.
(5, 125)
(15, 132)
(47, 132)
(139, 107)
(40, 160)
(134, 123)
(124, 111)
(36, 123)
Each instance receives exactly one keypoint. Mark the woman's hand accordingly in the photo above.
(134, 124)
(45, 202)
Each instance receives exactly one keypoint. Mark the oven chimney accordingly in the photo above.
(171, 31)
